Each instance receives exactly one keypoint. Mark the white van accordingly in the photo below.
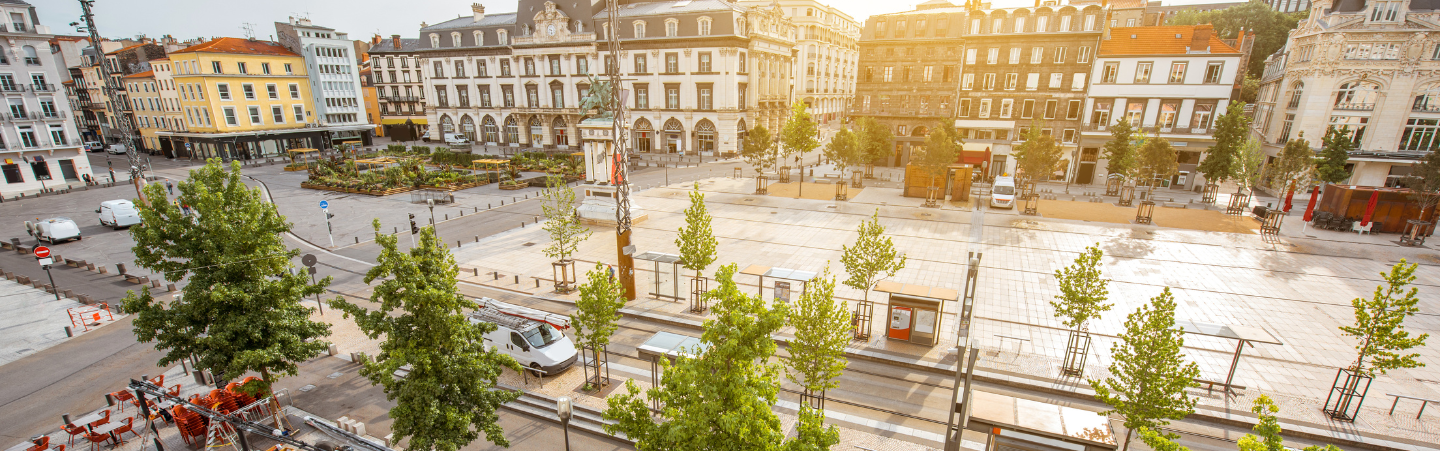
(116, 149)
(531, 336)
(1002, 193)
(94, 146)
(118, 213)
(54, 230)
(456, 139)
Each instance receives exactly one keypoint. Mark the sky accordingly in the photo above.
(360, 18)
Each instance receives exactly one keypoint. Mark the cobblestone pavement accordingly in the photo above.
(1296, 288)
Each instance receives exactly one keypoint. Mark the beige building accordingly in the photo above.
(827, 44)
(1373, 67)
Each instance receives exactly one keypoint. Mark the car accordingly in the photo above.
(532, 337)
(425, 137)
(1002, 193)
(94, 146)
(116, 149)
(456, 139)
(118, 213)
(54, 230)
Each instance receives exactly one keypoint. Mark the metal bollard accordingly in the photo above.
(394, 230)
(357, 240)
(477, 210)
(477, 238)
(69, 333)
(477, 272)
(457, 243)
(447, 216)
(522, 224)
(517, 279)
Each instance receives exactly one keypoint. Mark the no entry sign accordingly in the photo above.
(42, 252)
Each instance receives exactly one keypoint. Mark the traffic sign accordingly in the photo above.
(42, 252)
(308, 259)
(324, 204)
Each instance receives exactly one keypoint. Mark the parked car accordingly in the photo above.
(54, 230)
(456, 139)
(94, 146)
(118, 213)
(1002, 193)
(425, 137)
(116, 149)
(528, 335)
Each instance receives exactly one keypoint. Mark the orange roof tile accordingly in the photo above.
(1126, 4)
(239, 45)
(1166, 40)
(148, 73)
(125, 48)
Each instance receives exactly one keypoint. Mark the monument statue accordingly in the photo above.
(598, 98)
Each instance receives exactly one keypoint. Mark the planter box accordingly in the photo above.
(359, 191)
(302, 168)
(453, 187)
(507, 186)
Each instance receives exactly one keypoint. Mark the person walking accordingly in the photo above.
(170, 186)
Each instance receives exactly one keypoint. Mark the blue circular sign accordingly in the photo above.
(324, 204)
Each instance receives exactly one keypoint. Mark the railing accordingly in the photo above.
(43, 88)
(19, 27)
(1355, 106)
(53, 115)
(20, 116)
(12, 88)
(1425, 108)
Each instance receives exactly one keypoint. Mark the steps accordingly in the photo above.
(543, 407)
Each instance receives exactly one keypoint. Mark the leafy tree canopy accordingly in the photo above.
(1231, 130)
(1335, 150)
(1272, 28)
(1039, 156)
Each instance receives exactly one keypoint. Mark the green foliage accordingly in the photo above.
(1120, 150)
(872, 258)
(822, 329)
(720, 398)
(1149, 374)
(240, 308)
(1083, 291)
(1156, 160)
(1231, 130)
(1380, 324)
(843, 150)
(697, 240)
(1158, 442)
(561, 220)
(1250, 163)
(759, 151)
(597, 310)
(1249, 88)
(876, 141)
(798, 137)
(1271, 27)
(1424, 181)
(942, 148)
(1039, 156)
(1335, 150)
(1267, 428)
(1294, 165)
(450, 393)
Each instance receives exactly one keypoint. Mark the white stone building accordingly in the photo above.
(1170, 81)
(828, 47)
(39, 144)
(334, 77)
(1372, 66)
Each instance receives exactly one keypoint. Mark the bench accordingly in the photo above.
(1210, 385)
(1423, 402)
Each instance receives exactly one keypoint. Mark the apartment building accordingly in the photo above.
(1370, 66)
(39, 145)
(170, 115)
(829, 51)
(333, 67)
(1169, 82)
(399, 87)
(244, 99)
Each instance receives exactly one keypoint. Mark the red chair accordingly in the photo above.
(103, 420)
(175, 391)
(159, 380)
(96, 438)
(128, 427)
(44, 444)
(189, 423)
(73, 430)
(123, 397)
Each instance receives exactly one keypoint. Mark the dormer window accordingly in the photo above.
(434, 41)
(704, 26)
(639, 29)
(672, 27)
(503, 37)
(455, 39)
(1384, 11)
(479, 38)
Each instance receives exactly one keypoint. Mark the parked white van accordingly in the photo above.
(1002, 193)
(118, 213)
(456, 139)
(531, 336)
(54, 230)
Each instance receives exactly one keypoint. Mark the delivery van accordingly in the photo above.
(1002, 193)
(53, 230)
(118, 213)
(456, 139)
(533, 337)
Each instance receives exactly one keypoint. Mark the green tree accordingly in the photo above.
(720, 397)
(1424, 181)
(1119, 152)
(876, 142)
(942, 148)
(759, 151)
(1083, 290)
(1156, 160)
(451, 385)
(1039, 156)
(800, 134)
(1158, 442)
(1335, 148)
(843, 150)
(241, 308)
(821, 322)
(871, 259)
(1271, 27)
(1380, 324)
(597, 312)
(1149, 374)
(557, 202)
(1249, 88)
(1250, 164)
(1294, 165)
(696, 239)
(1266, 436)
(1231, 130)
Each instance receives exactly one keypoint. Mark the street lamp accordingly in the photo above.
(565, 410)
(1070, 172)
(431, 203)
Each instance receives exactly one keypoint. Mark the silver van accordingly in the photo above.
(54, 230)
(532, 337)
(118, 213)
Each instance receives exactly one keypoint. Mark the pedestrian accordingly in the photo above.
(612, 271)
(170, 186)
(185, 209)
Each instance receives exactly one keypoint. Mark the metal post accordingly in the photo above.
(111, 90)
(1235, 362)
(328, 228)
(52, 282)
(145, 412)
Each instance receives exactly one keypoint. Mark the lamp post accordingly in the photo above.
(1070, 172)
(431, 203)
(565, 410)
(800, 171)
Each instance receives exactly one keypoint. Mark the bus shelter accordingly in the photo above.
(1016, 424)
(785, 281)
(670, 346)
(915, 311)
(1243, 336)
(667, 274)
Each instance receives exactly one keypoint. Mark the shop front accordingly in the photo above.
(248, 145)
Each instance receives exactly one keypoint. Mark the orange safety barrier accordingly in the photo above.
(85, 316)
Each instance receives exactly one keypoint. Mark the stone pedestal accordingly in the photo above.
(597, 205)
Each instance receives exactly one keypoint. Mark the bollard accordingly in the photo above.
(457, 243)
(447, 216)
(90, 266)
(477, 210)
(502, 202)
(154, 283)
(120, 267)
(357, 240)
(67, 293)
(65, 418)
(462, 213)
(103, 270)
(477, 271)
(109, 400)
(69, 333)
(489, 206)
(477, 238)
(333, 349)
(169, 287)
(394, 230)
(517, 279)
(522, 224)
(537, 282)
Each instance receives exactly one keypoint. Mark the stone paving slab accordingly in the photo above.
(34, 320)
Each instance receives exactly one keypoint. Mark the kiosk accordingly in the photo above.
(915, 311)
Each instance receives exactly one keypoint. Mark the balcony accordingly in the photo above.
(21, 116)
(43, 88)
(1197, 131)
(1424, 108)
(12, 88)
(1355, 106)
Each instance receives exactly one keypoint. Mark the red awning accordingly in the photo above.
(978, 157)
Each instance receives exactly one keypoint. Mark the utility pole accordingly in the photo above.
(112, 93)
(625, 251)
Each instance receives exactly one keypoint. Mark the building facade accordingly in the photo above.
(39, 143)
(1167, 81)
(1372, 67)
(333, 67)
(828, 44)
(171, 116)
(244, 99)
(399, 88)
(1289, 6)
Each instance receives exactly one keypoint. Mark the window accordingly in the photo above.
(478, 36)
(480, 68)
(1060, 54)
(889, 73)
(1354, 125)
(1019, 25)
(230, 118)
(1015, 55)
(503, 37)
(1200, 120)
(240, 67)
(1032, 81)
(557, 95)
(224, 90)
(704, 26)
(462, 93)
(1089, 22)
(277, 114)
(743, 67)
(294, 91)
(272, 91)
(1100, 116)
(1213, 71)
(984, 112)
(989, 82)
(997, 25)
(215, 67)
(672, 27)
(992, 56)
(1420, 134)
(1007, 107)
(640, 66)
(706, 97)
(1107, 74)
(642, 96)
(975, 26)
(672, 96)
(1384, 11)
(704, 61)
(555, 66)
(970, 56)
(1073, 111)
(1295, 92)
(1357, 95)
(927, 74)
(532, 96)
(964, 107)
(1065, 23)
(439, 69)
(1177, 72)
(639, 29)
(442, 95)
(672, 63)
(1084, 56)
(741, 100)
(507, 94)
(454, 39)
(1027, 109)
(265, 68)
(529, 66)
(967, 81)
(504, 67)
(1134, 113)
(1042, 24)
(299, 113)
(288, 71)
(254, 115)
(484, 91)
(1142, 72)
(1169, 112)
(1056, 79)
(459, 69)
(1036, 54)
(949, 73)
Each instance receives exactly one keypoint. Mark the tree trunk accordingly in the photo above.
(1128, 434)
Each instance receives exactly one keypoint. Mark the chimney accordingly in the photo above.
(1037, 3)
(479, 11)
(375, 40)
(1201, 37)
(395, 41)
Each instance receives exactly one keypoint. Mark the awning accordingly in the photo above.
(976, 153)
(417, 121)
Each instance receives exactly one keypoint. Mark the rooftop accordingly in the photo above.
(387, 45)
(669, 7)
(146, 74)
(1166, 40)
(125, 48)
(239, 45)
(489, 20)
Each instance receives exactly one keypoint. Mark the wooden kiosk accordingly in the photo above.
(915, 311)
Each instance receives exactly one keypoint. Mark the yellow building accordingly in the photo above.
(145, 107)
(372, 103)
(243, 99)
